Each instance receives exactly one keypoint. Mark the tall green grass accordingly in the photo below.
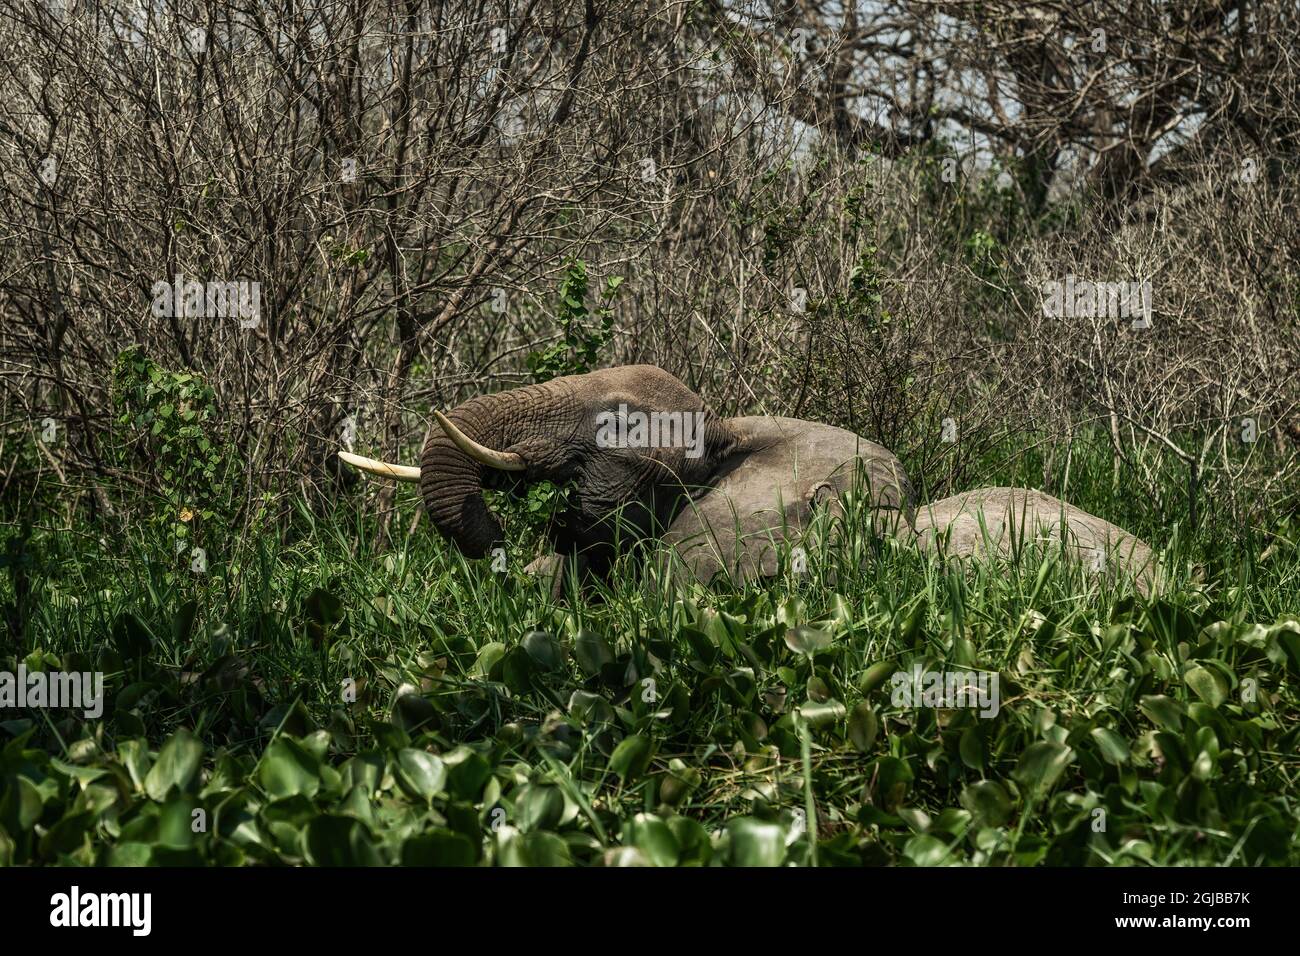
(321, 699)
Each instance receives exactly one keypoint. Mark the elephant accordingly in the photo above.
(647, 458)
(1005, 521)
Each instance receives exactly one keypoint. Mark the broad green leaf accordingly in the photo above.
(1206, 684)
(1112, 746)
(863, 727)
(755, 842)
(592, 652)
(287, 769)
(176, 768)
(875, 675)
(331, 840)
(488, 656)
(631, 757)
(807, 640)
(988, 802)
(1041, 764)
(818, 714)
(893, 780)
(926, 850)
(971, 749)
(1165, 712)
(544, 650)
(439, 847)
(420, 773)
(652, 836)
(539, 807)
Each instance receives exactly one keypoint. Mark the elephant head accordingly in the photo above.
(630, 438)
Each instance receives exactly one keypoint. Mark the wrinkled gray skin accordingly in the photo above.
(763, 499)
(553, 427)
(749, 464)
(1017, 520)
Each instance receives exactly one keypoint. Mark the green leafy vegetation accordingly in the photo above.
(582, 333)
(309, 700)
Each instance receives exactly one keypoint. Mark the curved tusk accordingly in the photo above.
(381, 468)
(503, 460)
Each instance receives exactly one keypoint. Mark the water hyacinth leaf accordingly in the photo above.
(83, 775)
(135, 757)
(531, 849)
(1112, 746)
(420, 773)
(988, 802)
(331, 840)
(1286, 640)
(489, 655)
(894, 778)
(677, 782)
(412, 710)
(699, 644)
(176, 767)
(916, 819)
(467, 772)
(875, 675)
(625, 856)
(816, 715)
(287, 769)
(971, 749)
(652, 836)
(807, 640)
(438, 848)
(588, 708)
(130, 854)
(68, 834)
(818, 690)
(21, 805)
(1203, 766)
(592, 652)
(544, 650)
(175, 828)
(631, 757)
(517, 670)
(753, 842)
(539, 807)
(693, 839)
(926, 850)
(1165, 712)
(863, 727)
(1042, 764)
(1207, 685)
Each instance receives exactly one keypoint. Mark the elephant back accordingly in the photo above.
(764, 497)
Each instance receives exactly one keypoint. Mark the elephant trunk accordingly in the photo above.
(453, 473)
